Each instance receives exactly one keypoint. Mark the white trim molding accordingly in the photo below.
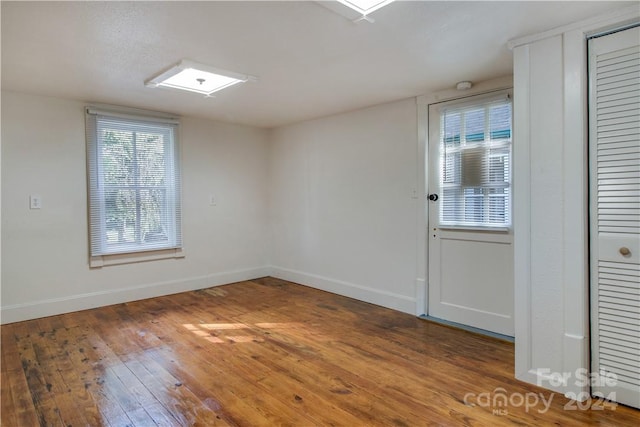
(99, 261)
(614, 19)
(422, 211)
(363, 293)
(522, 216)
(421, 297)
(55, 306)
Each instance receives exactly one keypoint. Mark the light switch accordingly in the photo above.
(35, 201)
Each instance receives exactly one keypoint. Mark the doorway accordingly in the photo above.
(470, 235)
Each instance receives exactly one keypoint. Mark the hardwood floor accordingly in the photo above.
(267, 352)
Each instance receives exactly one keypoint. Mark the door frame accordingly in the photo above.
(423, 103)
(491, 318)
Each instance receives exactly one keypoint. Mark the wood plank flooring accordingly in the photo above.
(267, 352)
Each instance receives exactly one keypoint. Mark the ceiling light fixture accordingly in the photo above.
(199, 78)
(365, 7)
(466, 85)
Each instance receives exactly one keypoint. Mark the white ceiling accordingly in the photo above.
(310, 61)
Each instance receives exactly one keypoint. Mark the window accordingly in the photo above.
(475, 164)
(134, 184)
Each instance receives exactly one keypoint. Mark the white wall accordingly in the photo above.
(45, 252)
(342, 209)
(343, 213)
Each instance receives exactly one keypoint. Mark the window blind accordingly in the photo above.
(134, 183)
(475, 164)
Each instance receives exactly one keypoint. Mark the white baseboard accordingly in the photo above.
(363, 293)
(552, 382)
(575, 365)
(54, 306)
(575, 386)
(50, 307)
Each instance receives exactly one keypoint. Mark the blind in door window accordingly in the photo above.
(475, 165)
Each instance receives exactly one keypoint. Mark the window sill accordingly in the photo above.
(130, 258)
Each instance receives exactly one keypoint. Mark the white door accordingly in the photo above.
(470, 233)
(614, 67)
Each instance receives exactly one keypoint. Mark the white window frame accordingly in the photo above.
(102, 253)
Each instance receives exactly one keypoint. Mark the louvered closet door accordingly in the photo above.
(615, 213)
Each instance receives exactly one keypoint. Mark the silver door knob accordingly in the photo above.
(624, 251)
